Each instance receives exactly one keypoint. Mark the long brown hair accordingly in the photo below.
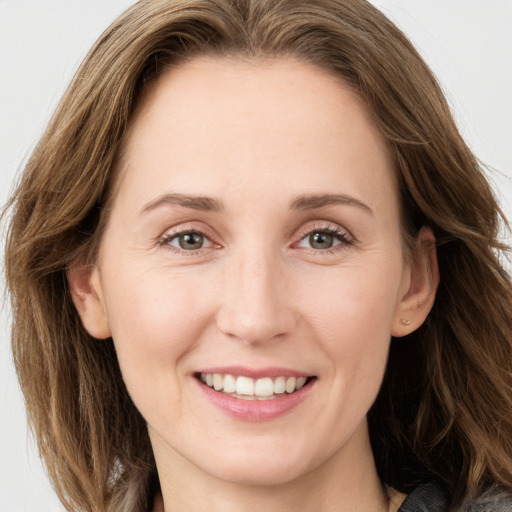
(445, 408)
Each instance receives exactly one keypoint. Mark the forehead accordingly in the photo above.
(219, 120)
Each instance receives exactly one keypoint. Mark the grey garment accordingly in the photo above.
(432, 498)
(426, 498)
(493, 501)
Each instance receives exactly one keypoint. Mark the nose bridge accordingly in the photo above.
(254, 306)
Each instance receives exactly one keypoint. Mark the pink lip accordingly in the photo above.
(254, 410)
(255, 373)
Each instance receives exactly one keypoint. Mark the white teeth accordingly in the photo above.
(264, 387)
(229, 384)
(290, 384)
(218, 381)
(246, 388)
(300, 382)
(279, 385)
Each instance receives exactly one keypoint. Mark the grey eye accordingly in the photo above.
(323, 240)
(189, 241)
(319, 240)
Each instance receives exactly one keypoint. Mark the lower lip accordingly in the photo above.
(256, 410)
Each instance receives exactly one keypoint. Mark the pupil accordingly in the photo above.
(191, 241)
(321, 240)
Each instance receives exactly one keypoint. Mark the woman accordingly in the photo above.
(243, 261)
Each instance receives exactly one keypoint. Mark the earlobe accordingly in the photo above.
(421, 282)
(86, 292)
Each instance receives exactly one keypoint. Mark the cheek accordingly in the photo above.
(351, 316)
(352, 300)
(156, 318)
(153, 306)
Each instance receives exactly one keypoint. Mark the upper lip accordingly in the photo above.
(255, 373)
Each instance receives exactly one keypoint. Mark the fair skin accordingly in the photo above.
(294, 265)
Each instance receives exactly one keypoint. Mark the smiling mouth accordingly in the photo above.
(246, 388)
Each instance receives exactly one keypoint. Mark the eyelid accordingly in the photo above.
(182, 229)
(343, 234)
(331, 227)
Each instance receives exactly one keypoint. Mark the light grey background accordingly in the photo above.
(468, 44)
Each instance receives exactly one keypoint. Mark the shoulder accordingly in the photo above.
(497, 500)
(432, 498)
(426, 498)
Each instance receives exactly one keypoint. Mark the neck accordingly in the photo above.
(347, 481)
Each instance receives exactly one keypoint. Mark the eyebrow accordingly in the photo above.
(204, 204)
(208, 204)
(313, 201)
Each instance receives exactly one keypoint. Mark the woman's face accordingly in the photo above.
(254, 234)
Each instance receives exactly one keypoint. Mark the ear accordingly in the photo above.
(86, 292)
(421, 280)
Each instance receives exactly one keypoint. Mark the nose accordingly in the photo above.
(256, 304)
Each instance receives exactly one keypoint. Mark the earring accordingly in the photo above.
(405, 321)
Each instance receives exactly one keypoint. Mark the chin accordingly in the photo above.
(259, 465)
(261, 474)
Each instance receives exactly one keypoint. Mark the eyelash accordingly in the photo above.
(167, 238)
(344, 237)
(340, 234)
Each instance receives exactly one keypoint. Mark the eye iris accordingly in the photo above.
(191, 241)
(321, 240)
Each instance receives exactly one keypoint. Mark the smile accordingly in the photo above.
(247, 388)
(254, 394)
